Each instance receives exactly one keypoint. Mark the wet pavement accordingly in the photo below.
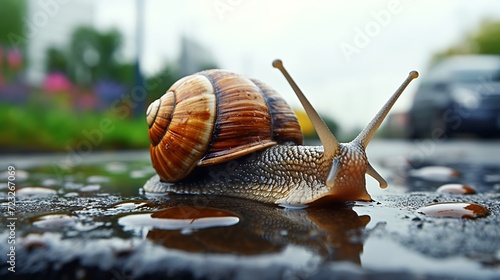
(84, 217)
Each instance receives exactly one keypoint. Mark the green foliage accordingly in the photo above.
(56, 60)
(40, 128)
(122, 72)
(159, 82)
(484, 40)
(487, 38)
(91, 55)
(12, 13)
(102, 89)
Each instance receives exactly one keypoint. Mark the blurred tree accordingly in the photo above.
(12, 13)
(332, 124)
(56, 60)
(108, 47)
(484, 40)
(90, 57)
(193, 57)
(94, 54)
(122, 72)
(158, 83)
(487, 38)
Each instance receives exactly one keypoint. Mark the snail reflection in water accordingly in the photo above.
(331, 235)
(216, 132)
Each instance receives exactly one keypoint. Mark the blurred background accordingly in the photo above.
(79, 74)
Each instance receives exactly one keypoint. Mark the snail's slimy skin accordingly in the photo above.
(280, 174)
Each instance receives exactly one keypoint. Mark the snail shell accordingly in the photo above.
(215, 116)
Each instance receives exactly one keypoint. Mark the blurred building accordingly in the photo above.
(194, 57)
(395, 126)
(50, 23)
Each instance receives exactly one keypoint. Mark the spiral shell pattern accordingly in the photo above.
(215, 116)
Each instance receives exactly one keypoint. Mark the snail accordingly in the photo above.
(219, 133)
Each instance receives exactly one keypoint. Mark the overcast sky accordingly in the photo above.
(347, 56)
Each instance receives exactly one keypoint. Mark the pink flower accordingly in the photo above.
(15, 59)
(56, 82)
(1, 56)
(87, 102)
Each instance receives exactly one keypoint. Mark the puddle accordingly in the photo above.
(50, 182)
(90, 188)
(436, 173)
(35, 191)
(97, 220)
(132, 204)
(20, 175)
(454, 210)
(456, 189)
(181, 218)
(234, 226)
(54, 221)
(97, 179)
(116, 167)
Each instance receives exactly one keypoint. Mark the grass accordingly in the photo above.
(39, 128)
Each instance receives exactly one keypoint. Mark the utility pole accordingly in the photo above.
(139, 88)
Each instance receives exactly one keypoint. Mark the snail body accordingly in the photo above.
(219, 133)
(293, 175)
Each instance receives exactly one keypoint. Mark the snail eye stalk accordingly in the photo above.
(326, 137)
(367, 133)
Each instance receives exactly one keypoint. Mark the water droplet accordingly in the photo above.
(283, 232)
(54, 221)
(139, 173)
(437, 173)
(71, 194)
(181, 218)
(20, 175)
(293, 206)
(186, 231)
(454, 210)
(456, 189)
(102, 194)
(116, 167)
(33, 244)
(72, 186)
(35, 191)
(132, 204)
(97, 179)
(90, 188)
(50, 182)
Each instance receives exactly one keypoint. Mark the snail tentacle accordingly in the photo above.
(372, 172)
(326, 137)
(330, 180)
(367, 133)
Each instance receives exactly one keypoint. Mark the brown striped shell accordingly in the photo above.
(215, 116)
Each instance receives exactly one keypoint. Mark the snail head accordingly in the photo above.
(347, 162)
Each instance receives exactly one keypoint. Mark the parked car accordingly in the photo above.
(458, 95)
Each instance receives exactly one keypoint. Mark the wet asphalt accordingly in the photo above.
(85, 218)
